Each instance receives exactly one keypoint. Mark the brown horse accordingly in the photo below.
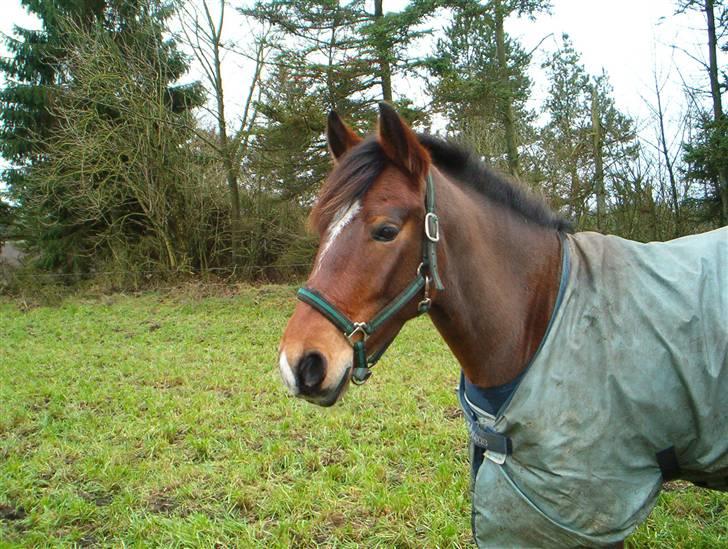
(411, 224)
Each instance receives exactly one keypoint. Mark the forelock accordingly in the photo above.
(350, 179)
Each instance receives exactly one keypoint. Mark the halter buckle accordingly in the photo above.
(432, 227)
(359, 327)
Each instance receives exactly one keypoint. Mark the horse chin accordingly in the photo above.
(331, 397)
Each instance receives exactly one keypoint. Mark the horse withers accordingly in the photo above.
(593, 367)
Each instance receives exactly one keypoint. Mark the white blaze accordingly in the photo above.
(341, 220)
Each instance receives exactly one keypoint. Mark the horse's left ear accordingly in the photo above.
(400, 143)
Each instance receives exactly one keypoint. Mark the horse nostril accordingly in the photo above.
(311, 370)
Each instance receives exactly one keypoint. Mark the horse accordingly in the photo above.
(593, 368)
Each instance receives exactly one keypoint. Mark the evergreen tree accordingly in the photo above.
(616, 188)
(315, 68)
(707, 160)
(6, 220)
(707, 154)
(331, 55)
(468, 78)
(35, 68)
(587, 143)
(37, 73)
(565, 139)
(482, 82)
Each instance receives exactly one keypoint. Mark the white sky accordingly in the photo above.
(630, 39)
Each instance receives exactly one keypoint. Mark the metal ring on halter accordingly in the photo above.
(432, 227)
(359, 327)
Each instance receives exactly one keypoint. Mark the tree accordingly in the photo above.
(120, 183)
(40, 73)
(34, 70)
(316, 66)
(203, 35)
(588, 144)
(482, 84)
(386, 38)
(706, 155)
(566, 139)
(501, 9)
(615, 182)
(6, 220)
(383, 52)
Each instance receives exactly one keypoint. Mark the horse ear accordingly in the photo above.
(340, 136)
(400, 143)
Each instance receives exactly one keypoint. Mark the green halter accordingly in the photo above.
(426, 274)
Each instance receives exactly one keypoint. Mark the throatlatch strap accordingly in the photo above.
(397, 304)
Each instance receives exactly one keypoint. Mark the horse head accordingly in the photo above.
(375, 265)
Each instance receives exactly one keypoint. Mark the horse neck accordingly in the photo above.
(501, 277)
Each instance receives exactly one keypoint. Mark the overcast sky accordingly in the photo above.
(629, 39)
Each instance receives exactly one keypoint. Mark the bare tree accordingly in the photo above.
(120, 174)
(204, 36)
(598, 146)
(667, 152)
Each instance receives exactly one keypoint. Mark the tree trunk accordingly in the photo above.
(717, 103)
(713, 68)
(598, 144)
(509, 124)
(384, 67)
(226, 147)
(668, 163)
(330, 77)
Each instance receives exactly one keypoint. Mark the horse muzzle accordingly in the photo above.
(309, 378)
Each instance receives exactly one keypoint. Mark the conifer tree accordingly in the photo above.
(482, 84)
(707, 154)
(467, 91)
(587, 142)
(36, 75)
(331, 55)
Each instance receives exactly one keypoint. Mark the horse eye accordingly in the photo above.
(385, 233)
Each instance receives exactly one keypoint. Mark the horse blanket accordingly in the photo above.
(634, 362)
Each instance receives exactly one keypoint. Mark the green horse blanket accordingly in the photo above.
(634, 365)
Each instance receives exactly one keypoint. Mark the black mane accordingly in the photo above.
(465, 167)
(360, 167)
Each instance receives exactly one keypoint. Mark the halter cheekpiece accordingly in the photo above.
(357, 333)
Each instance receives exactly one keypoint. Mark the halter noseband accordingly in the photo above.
(426, 274)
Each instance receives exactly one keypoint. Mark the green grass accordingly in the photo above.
(160, 419)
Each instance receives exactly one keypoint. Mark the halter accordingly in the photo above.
(357, 333)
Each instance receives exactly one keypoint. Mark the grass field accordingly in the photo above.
(160, 419)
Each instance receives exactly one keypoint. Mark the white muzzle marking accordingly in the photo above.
(287, 374)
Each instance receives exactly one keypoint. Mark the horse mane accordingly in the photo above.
(358, 168)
